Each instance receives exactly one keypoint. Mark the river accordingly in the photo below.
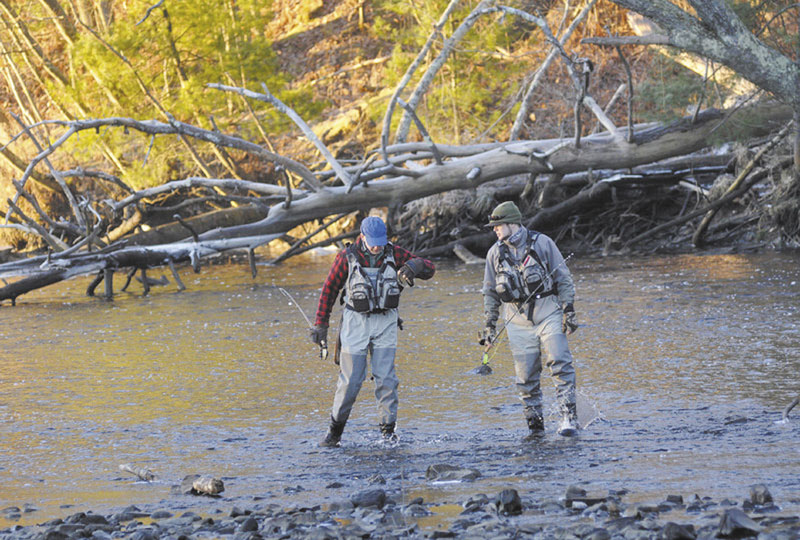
(684, 366)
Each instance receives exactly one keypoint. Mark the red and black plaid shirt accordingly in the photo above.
(341, 268)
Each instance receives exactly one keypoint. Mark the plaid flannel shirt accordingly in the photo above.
(340, 270)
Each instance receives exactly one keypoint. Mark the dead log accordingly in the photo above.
(466, 255)
(753, 180)
(697, 239)
(244, 227)
(141, 473)
(596, 152)
(481, 242)
(56, 269)
(175, 232)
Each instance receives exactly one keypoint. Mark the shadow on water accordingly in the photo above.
(684, 366)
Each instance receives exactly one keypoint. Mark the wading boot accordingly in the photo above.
(568, 427)
(387, 432)
(334, 435)
(535, 427)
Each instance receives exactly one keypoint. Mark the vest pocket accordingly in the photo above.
(390, 295)
(359, 298)
(507, 286)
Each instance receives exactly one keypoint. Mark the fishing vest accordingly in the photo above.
(527, 280)
(370, 290)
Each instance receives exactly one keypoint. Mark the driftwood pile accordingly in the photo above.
(608, 190)
(582, 194)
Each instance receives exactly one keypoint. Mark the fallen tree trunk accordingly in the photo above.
(596, 152)
(482, 241)
(54, 269)
(393, 186)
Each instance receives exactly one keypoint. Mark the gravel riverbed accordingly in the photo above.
(377, 513)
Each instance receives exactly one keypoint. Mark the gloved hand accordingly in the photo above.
(319, 334)
(407, 272)
(569, 322)
(487, 336)
(405, 276)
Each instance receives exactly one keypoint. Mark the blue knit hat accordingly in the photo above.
(374, 231)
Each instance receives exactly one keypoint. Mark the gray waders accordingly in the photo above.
(531, 345)
(363, 334)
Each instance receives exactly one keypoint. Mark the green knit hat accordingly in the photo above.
(506, 212)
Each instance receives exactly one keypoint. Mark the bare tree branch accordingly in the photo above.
(718, 34)
(224, 183)
(716, 204)
(267, 97)
(697, 238)
(34, 227)
(153, 127)
(522, 114)
(61, 182)
(427, 78)
(616, 41)
(412, 68)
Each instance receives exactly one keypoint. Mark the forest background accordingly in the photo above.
(303, 87)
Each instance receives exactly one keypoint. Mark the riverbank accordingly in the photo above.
(379, 513)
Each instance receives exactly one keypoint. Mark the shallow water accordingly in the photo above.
(684, 366)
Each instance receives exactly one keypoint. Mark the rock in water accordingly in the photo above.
(208, 485)
(509, 503)
(759, 494)
(443, 472)
(373, 497)
(194, 484)
(734, 522)
(483, 369)
(675, 531)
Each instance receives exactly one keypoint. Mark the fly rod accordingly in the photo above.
(323, 346)
(489, 344)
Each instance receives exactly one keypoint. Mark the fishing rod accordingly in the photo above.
(489, 344)
(323, 345)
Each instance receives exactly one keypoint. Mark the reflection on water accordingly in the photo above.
(684, 362)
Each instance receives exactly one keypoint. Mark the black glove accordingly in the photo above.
(409, 271)
(319, 334)
(569, 322)
(487, 336)
(406, 276)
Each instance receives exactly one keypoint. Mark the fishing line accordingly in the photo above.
(323, 346)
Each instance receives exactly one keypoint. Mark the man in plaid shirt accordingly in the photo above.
(372, 273)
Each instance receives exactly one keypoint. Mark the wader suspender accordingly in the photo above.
(343, 292)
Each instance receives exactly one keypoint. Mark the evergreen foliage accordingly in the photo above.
(150, 60)
(174, 49)
(175, 52)
(480, 78)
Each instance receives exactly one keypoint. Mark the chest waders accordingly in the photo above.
(537, 344)
(485, 368)
(368, 329)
